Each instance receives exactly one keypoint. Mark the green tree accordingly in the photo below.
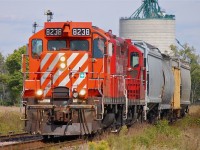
(188, 53)
(3, 79)
(13, 64)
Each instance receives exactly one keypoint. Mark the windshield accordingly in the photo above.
(55, 45)
(79, 45)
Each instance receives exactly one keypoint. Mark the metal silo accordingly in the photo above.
(150, 24)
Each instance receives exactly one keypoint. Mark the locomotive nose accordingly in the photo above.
(67, 69)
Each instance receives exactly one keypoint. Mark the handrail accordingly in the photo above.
(23, 70)
(102, 99)
(23, 66)
(126, 97)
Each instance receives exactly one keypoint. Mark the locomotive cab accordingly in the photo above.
(136, 76)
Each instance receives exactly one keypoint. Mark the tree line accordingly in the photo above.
(11, 77)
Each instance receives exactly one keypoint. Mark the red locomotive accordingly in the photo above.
(82, 79)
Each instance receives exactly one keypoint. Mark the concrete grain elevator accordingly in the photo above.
(150, 24)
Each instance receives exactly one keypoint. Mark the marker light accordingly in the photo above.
(39, 92)
(82, 93)
(62, 65)
(62, 58)
(75, 94)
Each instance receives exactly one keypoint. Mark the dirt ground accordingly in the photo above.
(194, 109)
(13, 108)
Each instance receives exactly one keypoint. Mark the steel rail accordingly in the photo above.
(40, 144)
(11, 136)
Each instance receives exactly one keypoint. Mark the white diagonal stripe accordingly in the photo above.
(71, 58)
(59, 72)
(82, 61)
(44, 60)
(50, 68)
(47, 88)
(79, 80)
(64, 81)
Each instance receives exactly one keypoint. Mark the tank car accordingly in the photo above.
(167, 78)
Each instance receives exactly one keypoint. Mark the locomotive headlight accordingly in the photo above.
(82, 93)
(62, 58)
(62, 65)
(39, 92)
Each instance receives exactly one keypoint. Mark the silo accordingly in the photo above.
(150, 24)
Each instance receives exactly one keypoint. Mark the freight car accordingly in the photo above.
(81, 80)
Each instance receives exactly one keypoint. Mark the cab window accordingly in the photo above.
(36, 48)
(134, 59)
(98, 48)
(56, 45)
(79, 45)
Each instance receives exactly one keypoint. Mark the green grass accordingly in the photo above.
(10, 121)
(183, 135)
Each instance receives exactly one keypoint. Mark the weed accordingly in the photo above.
(123, 131)
(102, 145)
(10, 121)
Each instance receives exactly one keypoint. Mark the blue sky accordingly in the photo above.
(17, 17)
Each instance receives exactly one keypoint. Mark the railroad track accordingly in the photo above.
(11, 136)
(20, 145)
(38, 143)
(67, 144)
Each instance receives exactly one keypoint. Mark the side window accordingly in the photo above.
(98, 48)
(36, 48)
(55, 45)
(134, 59)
